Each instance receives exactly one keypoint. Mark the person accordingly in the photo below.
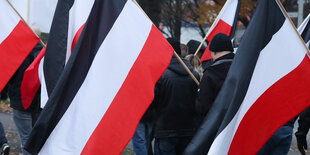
(192, 48)
(23, 119)
(174, 101)
(195, 62)
(280, 141)
(184, 50)
(302, 130)
(142, 139)
(5, 148)
(4, 94)
(214, 75)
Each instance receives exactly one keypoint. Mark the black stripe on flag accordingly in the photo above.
(55, 55)
(75, 72)
(234, 26)
(267, 20)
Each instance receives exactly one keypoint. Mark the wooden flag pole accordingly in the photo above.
(186, 68)
(175, 54)
(284, 11)
(209, 31)
(41, 42)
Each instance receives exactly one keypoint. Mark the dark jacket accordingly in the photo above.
(16, 81)
(206, 64)
(304, 123)
(211, 83)
(175, 94)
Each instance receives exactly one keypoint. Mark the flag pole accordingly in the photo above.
(41, 42)
(186, 68)
(175, 54)
(284, 11)
(209, 31)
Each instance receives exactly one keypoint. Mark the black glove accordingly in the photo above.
(302, 143)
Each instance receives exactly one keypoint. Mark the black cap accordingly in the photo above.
(193, 46)
(175, 44)
(221, 42)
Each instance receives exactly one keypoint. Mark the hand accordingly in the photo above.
(302, 144)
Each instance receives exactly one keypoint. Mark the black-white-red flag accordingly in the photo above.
(226, 23)
(304, 30)
(107, 84)
(16, 42)
(267, 85)
(68, 22)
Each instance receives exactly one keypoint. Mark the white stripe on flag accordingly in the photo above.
(275, 61)
(44, 95)
(9, 17)
(78, 15)
(110, 67)
(229, 12)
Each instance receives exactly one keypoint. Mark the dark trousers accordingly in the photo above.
(2, 135)
(142, 139)
(171, 145)
(279, 143)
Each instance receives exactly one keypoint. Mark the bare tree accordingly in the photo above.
(172, 13)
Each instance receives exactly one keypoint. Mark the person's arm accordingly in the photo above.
(303, 128)
(205, 96)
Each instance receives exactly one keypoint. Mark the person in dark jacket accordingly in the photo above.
(5, 148)
(174, 100)
(302, 131)
(214, 75)
(23, 119)
(4, 94)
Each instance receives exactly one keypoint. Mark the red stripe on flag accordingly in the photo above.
(221, 27)
(137, 92)
(276, 106)
(31, 82)
(14, 49)
(76, 37)
(206, 55)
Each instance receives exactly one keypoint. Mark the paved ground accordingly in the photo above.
(12, 135)
(13, 138)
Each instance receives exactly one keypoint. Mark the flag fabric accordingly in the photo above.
(16, 42)
(267, 86)
(225, 23)
(36, 12)
(68, 22)
(31, 82)
(107, 85)
(304, 30)
(41, 13)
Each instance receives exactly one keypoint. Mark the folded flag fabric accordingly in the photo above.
(107, 84)
(16, 42)
(267, 85)
(304, 30)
